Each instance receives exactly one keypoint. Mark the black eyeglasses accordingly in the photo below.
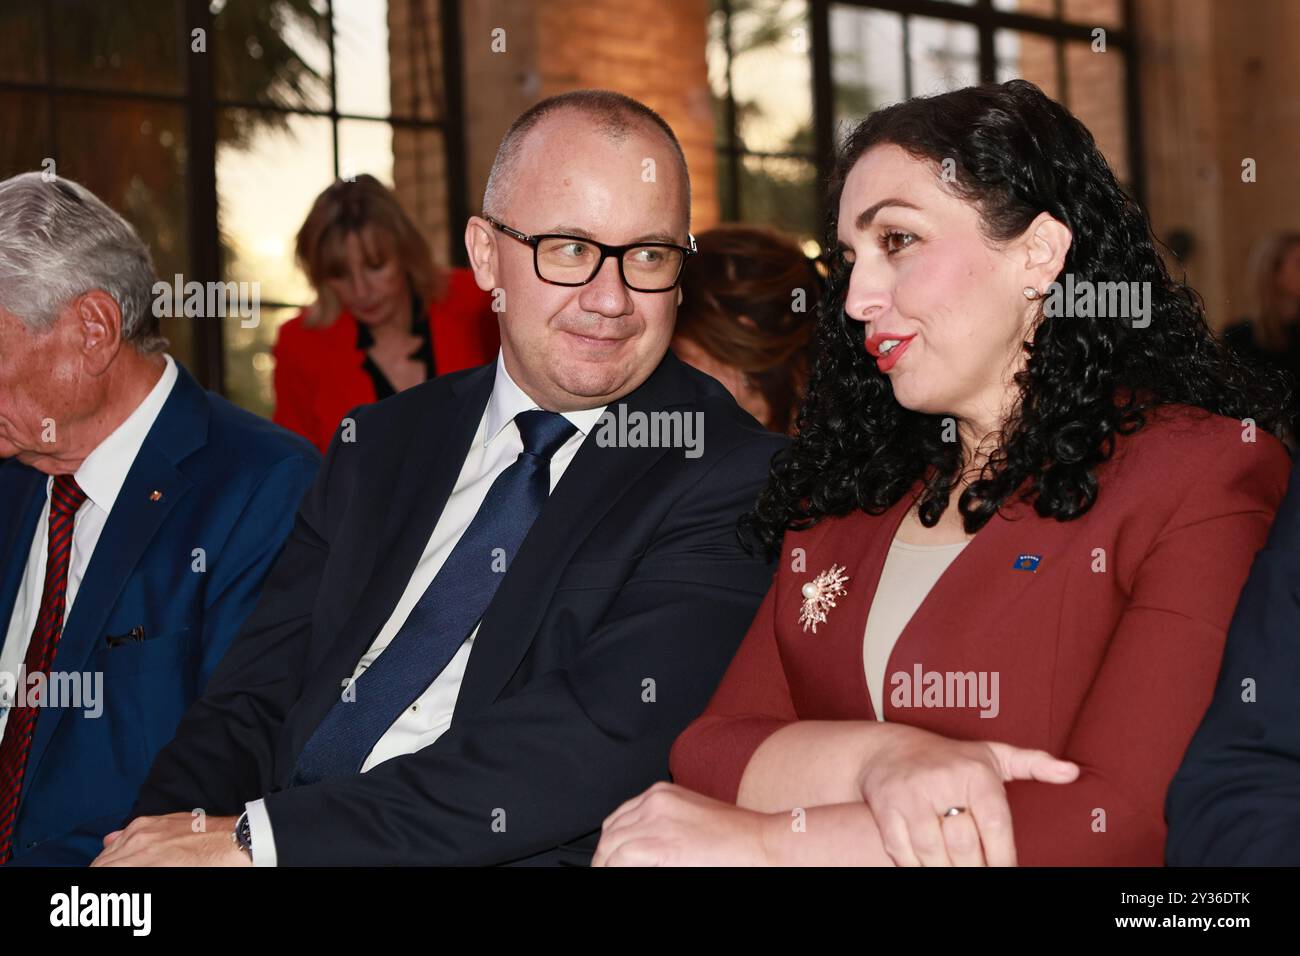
(574, 260)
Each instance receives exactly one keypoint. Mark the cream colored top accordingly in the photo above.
(910, 571)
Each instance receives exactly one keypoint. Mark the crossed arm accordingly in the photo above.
(872, 786)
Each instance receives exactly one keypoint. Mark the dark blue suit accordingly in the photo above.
(230, 483)
(1236, 798)
(607, 634)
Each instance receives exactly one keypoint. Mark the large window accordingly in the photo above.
(213, 124)
(760, 72)
(104, 103)
(789, 76)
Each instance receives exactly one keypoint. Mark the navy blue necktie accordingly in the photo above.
(446, 613)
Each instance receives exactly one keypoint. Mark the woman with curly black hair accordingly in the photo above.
(1027, 486)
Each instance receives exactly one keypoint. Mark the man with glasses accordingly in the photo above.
(487, 628)
(574, 260)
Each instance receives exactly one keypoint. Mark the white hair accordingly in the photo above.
(59, 241)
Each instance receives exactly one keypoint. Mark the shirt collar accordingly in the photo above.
(508, 400)
(104, 471)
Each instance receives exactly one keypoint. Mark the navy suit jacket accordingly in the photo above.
(608, 633)
(230, 483)
(1236, 798)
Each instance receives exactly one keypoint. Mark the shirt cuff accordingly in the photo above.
(259, 828)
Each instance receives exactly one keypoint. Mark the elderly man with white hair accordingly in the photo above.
(139, 515)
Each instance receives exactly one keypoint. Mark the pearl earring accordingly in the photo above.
(1030, 292)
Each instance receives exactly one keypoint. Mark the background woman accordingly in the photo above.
(749, 308)
(385, 318)
(1011, 536)
(1272, 338)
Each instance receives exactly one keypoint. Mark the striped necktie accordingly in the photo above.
(65, 498)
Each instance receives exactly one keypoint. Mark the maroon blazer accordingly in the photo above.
(320, 372)
(1105, 632)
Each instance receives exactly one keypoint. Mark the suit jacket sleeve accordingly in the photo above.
(1155, 682)
(752, 703)
(222, 752)
(77, 847)
(546, 765)
(1236, 798)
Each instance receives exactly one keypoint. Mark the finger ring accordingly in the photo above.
(953, 811)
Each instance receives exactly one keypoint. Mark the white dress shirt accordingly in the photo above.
(101, 477)
(496, 446)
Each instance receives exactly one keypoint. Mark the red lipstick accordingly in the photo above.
(887, 360)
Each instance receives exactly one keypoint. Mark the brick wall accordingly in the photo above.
(1219, 85)
(419, 164)
(653, 50)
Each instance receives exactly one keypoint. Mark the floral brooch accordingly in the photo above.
(819, 596)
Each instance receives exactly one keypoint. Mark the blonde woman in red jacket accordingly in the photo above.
(1013, 526)
(385, 318)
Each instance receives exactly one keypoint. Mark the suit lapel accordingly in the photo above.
(181, 426)
(981, 584)
(407, 512)
(24, 489)
(595, 479)
(135, 519)
(424, 484)
(843, 631)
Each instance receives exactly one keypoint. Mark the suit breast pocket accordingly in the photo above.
(168, 651)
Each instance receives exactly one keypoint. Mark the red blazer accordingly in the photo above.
(319, 374)
(1110, 666)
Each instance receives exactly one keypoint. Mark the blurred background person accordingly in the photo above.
(743, 321)
(385, 317)
(1271, 337)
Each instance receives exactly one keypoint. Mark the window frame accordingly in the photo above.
(200, 103)
(987, 20)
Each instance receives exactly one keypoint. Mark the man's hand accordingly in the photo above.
(669, 825)
(171, 841)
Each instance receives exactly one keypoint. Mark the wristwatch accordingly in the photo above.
(243, 834)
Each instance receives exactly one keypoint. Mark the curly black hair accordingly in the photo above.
(1018, 154)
